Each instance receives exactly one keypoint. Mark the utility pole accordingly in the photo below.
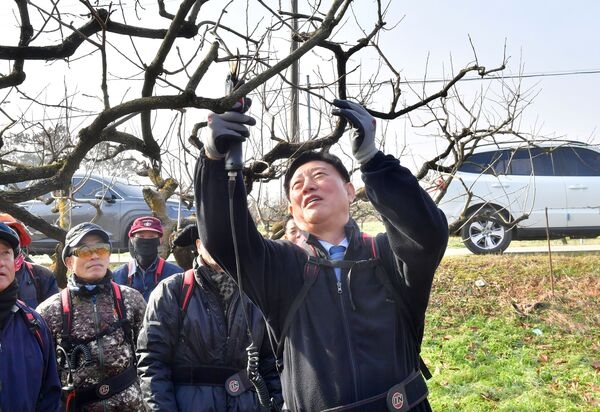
(294, 80)
(308, 105)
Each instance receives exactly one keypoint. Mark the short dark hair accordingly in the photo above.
(310, 156)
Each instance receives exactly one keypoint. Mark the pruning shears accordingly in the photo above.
(233, 81)
(233, 158)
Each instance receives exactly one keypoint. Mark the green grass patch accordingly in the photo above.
(502, 334)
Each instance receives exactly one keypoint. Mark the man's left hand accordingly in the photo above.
(363, 135)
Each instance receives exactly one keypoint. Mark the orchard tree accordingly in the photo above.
(128, 83)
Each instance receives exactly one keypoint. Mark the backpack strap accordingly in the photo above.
(311, 270)
(119, 304)
(385, 280)
(187, 288)
(120, 309)
(130, 273)
(36, 281)
(159, 269)
(65, 299)
(32, 322)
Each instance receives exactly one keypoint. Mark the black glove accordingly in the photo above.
(225, 129)
(363, 135)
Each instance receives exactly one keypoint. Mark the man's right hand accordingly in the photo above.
(224, 129)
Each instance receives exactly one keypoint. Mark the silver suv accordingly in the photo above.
(120, 202)
(524, 192)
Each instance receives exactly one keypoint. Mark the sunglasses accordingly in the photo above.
(86, 251)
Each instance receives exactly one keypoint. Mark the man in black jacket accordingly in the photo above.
(192, 346)
(353, 341)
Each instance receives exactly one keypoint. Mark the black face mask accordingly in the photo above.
(145, 251)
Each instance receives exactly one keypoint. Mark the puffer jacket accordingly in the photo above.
(207, 335)
(95, 320)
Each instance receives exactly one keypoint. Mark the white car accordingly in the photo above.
(524, 192)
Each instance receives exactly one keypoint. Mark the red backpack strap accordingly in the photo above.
(66, 312)
(32, 322)
(119, 305)
(370, 239)
(159, 269)
(187, 288)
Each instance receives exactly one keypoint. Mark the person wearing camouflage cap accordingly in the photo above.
(147, 268)
(36, 282)
(28, 377)
(95, 323)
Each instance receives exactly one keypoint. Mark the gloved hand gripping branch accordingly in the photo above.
(233, 159)
(363, 135)
(227, 131)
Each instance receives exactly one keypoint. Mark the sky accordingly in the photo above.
(546, 37)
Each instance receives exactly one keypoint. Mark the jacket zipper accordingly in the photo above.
(348, 343)
(99, 343)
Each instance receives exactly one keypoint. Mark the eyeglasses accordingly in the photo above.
(86, 251)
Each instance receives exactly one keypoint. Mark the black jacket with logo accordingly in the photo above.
(209, 334)
(346, 343)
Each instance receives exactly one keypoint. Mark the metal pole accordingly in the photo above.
(308, 104)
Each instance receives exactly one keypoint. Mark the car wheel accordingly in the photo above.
(485, 232)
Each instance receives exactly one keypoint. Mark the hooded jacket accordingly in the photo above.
(209, 334)
(347, 341)
(93, 314)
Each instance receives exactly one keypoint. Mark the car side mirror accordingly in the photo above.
(105, 195)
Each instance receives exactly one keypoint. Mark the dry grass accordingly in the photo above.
(503, 334)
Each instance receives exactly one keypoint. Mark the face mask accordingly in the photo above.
(145, 251)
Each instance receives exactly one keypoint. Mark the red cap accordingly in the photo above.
(146, 223)
(24, 236)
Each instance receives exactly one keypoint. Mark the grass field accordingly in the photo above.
(502, 334)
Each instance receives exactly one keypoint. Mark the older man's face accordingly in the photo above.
(319, 197)
(7, 265)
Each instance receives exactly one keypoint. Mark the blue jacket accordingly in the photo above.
(132, 275)
(28, 376)
(36, 284)
(347, 341)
